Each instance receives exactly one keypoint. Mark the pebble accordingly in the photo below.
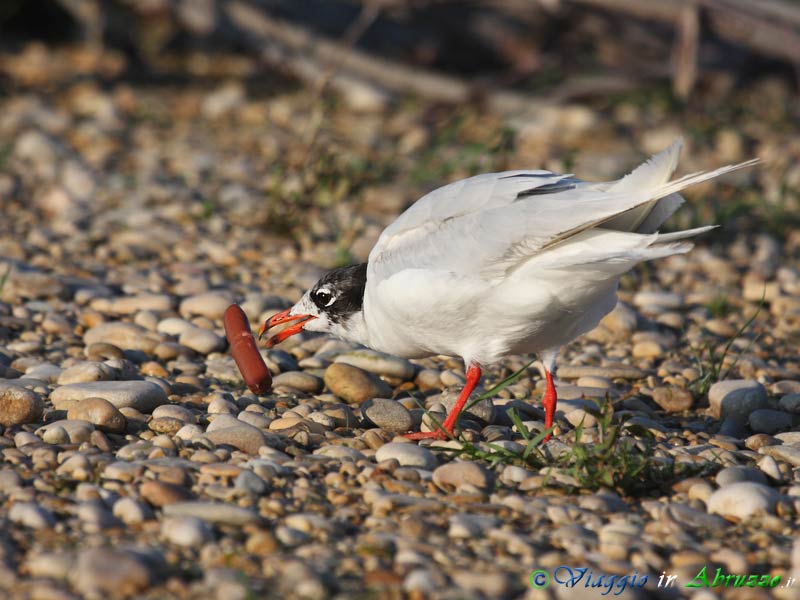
(378, 363)
(457, 474)
(389, 415)
(244, 437)
(736, 398)
(742, 500)
(354, 385)
(621, 320)
(672, 399)
(101, 351)
(175, 411)
(161, 493)
(75, 431)
(737, 474)
(770, 468)
(127, 336)
(303, 382)
(213, 512)
(100, 413)
(342, 453)
(202, 340)
(211, 305)
(86, 371)
(128, 305)
(31, 514)
(468, 526)
(111, 572)
(19, 406)
(608, 372)
(186, 531)
(143, 396)
(660, 300)
(765, 420)
(790, 403)
(131, 511)
(618, 538)
(787, 454)
(408, 455)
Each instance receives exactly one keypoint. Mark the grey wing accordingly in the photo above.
(489, 224)
(430, 231)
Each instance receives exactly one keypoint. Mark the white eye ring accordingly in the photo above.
(328, 292)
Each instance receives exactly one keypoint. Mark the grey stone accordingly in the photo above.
(343, 453)
(202, 340)
(127, 336)
(298, 380)
(787, 454)
(186, 531)
(730, 475)
(86, 371)
(144, 396)
(243, 436)
(207, 304)
(790, 403)
(736, 399)
(31, 514)
(76, 431)
(765, 420)
(111, 572)
(408, 455)
(742, 500)
(131, 511)
(389, 415)
(615, 371)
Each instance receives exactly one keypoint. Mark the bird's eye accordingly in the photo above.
(324, 297)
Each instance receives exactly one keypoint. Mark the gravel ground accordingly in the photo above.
(135, 463)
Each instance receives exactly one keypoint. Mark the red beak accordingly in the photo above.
(279, 319)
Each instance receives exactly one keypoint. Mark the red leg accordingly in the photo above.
(549, 401)
(473, 377)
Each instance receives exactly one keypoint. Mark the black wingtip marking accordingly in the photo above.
(548, 174)
(550, 188)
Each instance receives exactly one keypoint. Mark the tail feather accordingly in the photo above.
(652, 178)
(651, 174)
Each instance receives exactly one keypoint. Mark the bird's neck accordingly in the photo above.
(352, 329)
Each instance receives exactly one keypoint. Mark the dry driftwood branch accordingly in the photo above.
(684, 55)
(769, 27)
(305, 54)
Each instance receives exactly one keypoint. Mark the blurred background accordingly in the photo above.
(317, 121)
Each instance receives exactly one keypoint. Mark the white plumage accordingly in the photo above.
(506, 263)
(473, 270)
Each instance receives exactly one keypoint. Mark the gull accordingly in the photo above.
(517, 262)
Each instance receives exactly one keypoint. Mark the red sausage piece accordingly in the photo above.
(245, 351)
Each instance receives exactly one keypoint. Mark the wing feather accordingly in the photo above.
(490, 224)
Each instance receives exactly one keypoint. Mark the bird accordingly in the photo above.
(499, 264)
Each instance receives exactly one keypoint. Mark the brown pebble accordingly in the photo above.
(169, 425)
(101, 351)
(158, 493)
(99, 412)
(672, 398)
(19, 406)
(262, 543)
(457, 473)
